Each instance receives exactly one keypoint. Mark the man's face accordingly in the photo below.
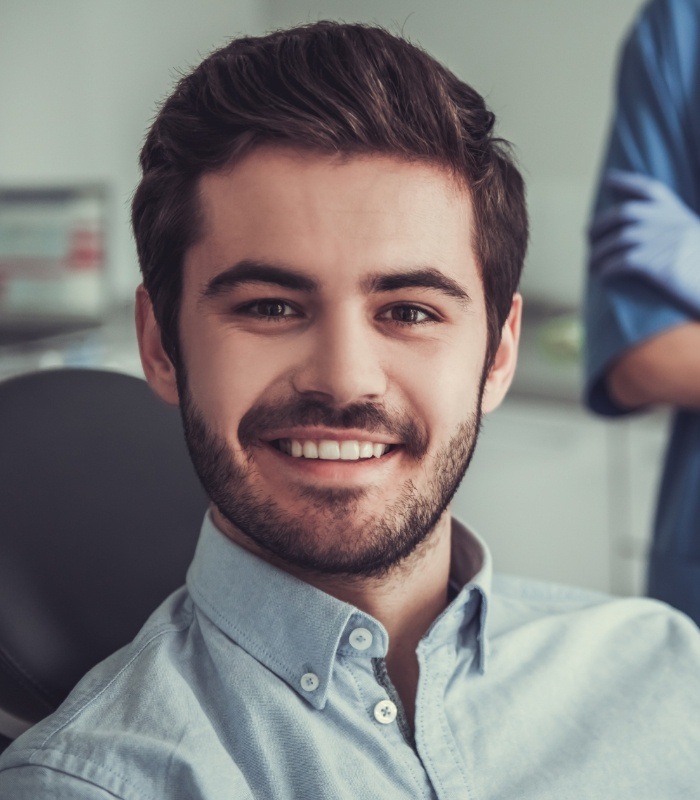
(333, 337)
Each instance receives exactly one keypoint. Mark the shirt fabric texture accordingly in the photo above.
(655, 132)
(526, 690)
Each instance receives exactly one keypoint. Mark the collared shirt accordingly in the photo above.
(249, 683)
(655, 132)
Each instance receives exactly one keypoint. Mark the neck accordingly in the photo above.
(406, 601)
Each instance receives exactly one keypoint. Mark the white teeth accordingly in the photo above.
(366, 450)
(330, 450)
(349, 451)
(310, 450)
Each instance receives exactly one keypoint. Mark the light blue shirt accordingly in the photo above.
(655, 132)
(249, 683)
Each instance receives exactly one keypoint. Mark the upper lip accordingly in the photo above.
(315, 434)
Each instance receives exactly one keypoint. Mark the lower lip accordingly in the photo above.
(333, 469)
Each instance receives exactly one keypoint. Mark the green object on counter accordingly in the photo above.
(561, 339)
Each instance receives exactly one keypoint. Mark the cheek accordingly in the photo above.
(442, 387)
(226, 376)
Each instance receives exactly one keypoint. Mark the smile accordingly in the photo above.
(331, 450)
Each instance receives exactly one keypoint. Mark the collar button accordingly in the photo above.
(309, 682)
(361, 639)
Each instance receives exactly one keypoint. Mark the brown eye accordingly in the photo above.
(405, 314)
(271, 308)
(409, 315)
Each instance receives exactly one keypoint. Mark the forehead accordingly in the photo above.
(334, 217)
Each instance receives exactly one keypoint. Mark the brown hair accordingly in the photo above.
(331, 88)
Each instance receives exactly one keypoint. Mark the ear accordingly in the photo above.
(503, 368)
(157, 366)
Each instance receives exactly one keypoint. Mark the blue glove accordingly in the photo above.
(650, 234)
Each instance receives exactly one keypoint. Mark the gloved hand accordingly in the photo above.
(650, 234)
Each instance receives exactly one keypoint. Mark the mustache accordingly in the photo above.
(303, 412)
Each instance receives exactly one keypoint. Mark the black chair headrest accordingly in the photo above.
(100, 510)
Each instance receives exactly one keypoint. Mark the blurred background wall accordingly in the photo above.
(551, 488)
(80, 80)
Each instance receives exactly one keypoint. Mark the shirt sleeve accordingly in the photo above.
(655, 132)
(33, 782)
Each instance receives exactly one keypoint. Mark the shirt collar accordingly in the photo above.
(471, 574)
(295, 629)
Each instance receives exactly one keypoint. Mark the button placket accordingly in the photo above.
(385, 712)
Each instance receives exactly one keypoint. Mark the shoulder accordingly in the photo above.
(121, 729)
(665, 39)
(545, 592)
(594, 620)
(517, 601)
(610, 685)
(659, 22)
(32, 782)
(668, 14)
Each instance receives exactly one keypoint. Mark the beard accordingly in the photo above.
(332, 535)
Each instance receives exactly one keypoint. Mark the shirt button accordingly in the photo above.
(309, 682)
(385, 712)
(361, 639)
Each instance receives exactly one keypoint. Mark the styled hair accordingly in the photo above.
(329, 88)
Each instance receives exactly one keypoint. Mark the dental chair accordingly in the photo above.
(100, 510)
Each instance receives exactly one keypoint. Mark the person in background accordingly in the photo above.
(643, 299)
(331, 238)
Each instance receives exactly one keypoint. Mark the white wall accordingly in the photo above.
(546, 68)
(80, 80)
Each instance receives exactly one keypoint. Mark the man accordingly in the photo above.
(331, 240)
(643, 307)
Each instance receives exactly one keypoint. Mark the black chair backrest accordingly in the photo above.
(100, 510)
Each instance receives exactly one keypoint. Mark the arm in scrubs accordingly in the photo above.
(631, 304)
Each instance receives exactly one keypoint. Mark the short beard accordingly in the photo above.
(337, 540)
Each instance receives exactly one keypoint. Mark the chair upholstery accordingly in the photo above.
(100, 510)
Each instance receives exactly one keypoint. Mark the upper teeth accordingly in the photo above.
(346, 450)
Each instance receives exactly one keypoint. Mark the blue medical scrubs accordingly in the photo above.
(656, 132)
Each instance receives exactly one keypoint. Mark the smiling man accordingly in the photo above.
(331, 240)
(334, 341)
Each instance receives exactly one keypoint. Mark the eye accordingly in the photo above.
(408, 315)
(268, 309)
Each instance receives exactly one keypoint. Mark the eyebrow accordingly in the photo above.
(424, 278)
(250, 271)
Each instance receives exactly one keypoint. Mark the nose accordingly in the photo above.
(343, 362)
